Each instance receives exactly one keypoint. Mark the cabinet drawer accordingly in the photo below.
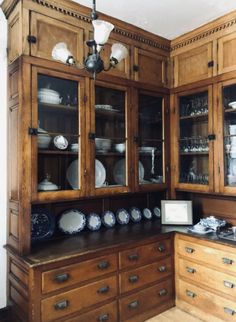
(102, 314)
(222, 282)
(77, 299)
(144, 275)
(144, 300)
(206, 301)
(72, 274)
(222, 259)
(144, 254)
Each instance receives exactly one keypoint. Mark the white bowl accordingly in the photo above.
(44, 140)
(48, 96)
(103, 145)
(232, 104)
(120, 147)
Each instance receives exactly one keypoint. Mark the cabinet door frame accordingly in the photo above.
(175, 142)
(60, 194)
(221, 57)
(93, 191)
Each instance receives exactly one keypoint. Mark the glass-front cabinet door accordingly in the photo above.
(110, 135)
(194, 140)
(58, 151)
(150, 139)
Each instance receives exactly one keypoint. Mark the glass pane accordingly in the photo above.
(151, 137)
(58, 134)
(193, 140)
(110, 141)
(229, 104)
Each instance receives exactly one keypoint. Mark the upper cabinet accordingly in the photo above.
(226, 53)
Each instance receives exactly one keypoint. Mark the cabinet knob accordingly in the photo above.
(133, 278)
(102, 318)
(62, 278)
(190, 270)
(228, 284)
(133, 305)
(227, 261)
(229, 311)
(190, 294)
(162, 292)
(103, 290)
(103, 265)
(62, 305)
(162, 269)
(133, 257)
(189, 250)
(161, 248)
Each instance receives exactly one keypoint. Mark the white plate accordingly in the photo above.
(122, 216)
(119, 172)
(135, 214)
(72, 221)
(93, 222)
(108, 219)
(60, 142)
(204, 232)
(72, 174)
(147, 213)
(157, 212)
(147, 149)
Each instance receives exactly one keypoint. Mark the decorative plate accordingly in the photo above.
(147, 213)
(157, 212)
(42, 224)
(100, 174)
(135, 214)
(71, 221)
(108, 219)
(60, 142)
(93, 221)
(122, 216)
(119, 172)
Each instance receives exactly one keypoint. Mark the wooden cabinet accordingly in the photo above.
(226, 53)
(205, 271)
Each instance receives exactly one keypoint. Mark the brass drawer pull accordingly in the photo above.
(229, 311)
(61, 305)
(161, 248)
(190, 270)
(133, 257)
(163, 292)
(133, 305)
(62, 278)
(103, 265)
(102, 318)
(228, 284)
(103, 290)
(189, 250)
(162, 269)
(190, 294)
(133, 278)
(227, 261)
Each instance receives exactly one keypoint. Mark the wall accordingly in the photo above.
(3, 163)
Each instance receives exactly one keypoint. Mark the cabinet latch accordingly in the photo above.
(33, 131)
(211, 137)
(135, 68)
(211, 63)
(32, 39)
(91, 136)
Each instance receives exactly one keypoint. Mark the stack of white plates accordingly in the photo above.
(48, 96)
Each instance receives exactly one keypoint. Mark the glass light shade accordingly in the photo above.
(102, 30)
(61, 52)
(118, 52)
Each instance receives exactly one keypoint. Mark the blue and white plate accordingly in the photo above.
(135, 214)
(71, 221)
(157, 212)
(122, 216)
(94, 221)
(147, 213)
(42, 224)
(108, 219)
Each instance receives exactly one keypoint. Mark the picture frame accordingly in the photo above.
(176, 212)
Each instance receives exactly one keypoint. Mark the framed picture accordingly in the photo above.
(176, 212)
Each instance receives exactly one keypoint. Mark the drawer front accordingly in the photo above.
(106, 313)
(206, 301)
(222, 259)
(144, 254)
(146, 274)
(75, 300)
(69, 275)
(142, 301)
(222, 282)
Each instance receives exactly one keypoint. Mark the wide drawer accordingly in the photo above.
(104, 313)
(144, 254)
(77, 299)
(142, 301)
(146, 274)
(224, 259)
(206, 301)
(219, 281)
(69, 275)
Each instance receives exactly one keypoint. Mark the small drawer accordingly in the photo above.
(69, 275)
(219, 281)
(146, 274)
(59, 306)
(145, 300)
(106, 313)
(206, 301)
(144, 254)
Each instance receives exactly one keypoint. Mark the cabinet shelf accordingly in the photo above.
(59, 107)
(109, 114)
(110, 154)
(56, 152)
(196, 117)
(195, 153)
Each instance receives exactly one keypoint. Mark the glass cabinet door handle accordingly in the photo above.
(103, 265)
(190, 270)
(229, 311)
(61, 278)
(228, 284)
(61, 305)
(190, 294)
(227, 261)
(133, 305)
(103, 318)
(189, 250)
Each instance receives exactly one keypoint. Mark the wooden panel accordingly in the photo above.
(49, 32)
(14, 34)
(105, 313)
(145, 254)
(207, 302)
(146, 274)
(13, 135)
(226, 53)
(13, 86)
(18, 273)
(78, 299)
(18, 299)
(69, 275)
(14, 223)
(136, 304)
(192, 65)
